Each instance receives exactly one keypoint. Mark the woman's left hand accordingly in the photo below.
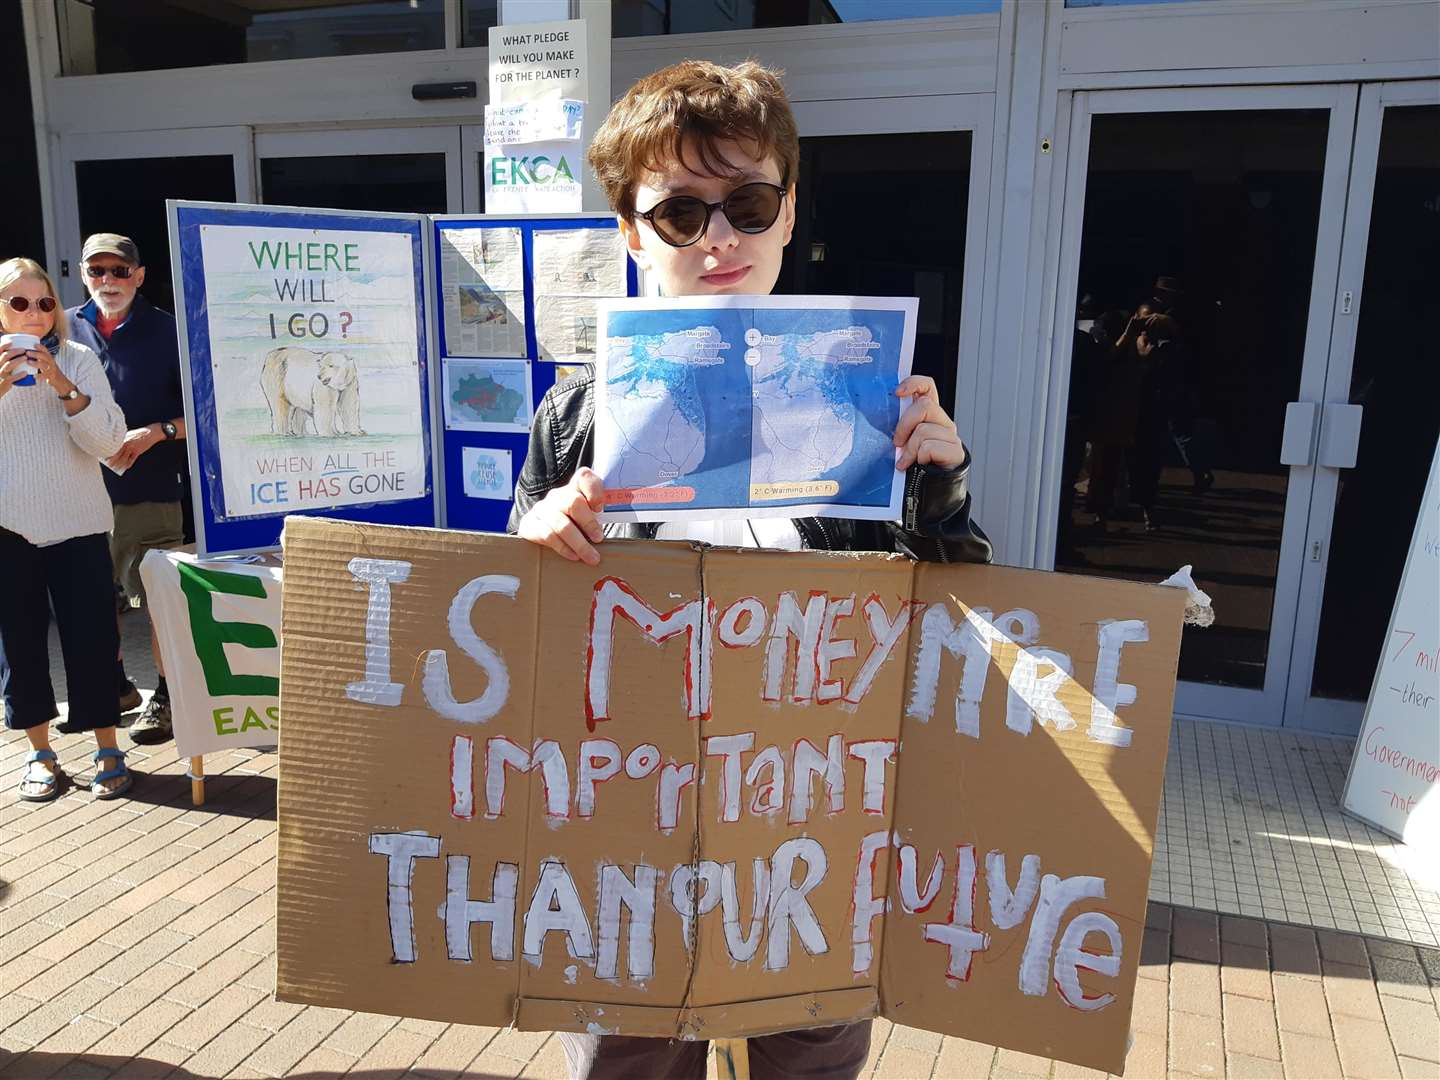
(49, 370)
(926, 434)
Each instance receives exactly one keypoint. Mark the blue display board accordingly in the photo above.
(459, 510)
(317, 449)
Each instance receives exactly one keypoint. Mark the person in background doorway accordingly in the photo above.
(1089, 358)
(57, 421)
(137, 345)
(1116, 415)
(1187, 431)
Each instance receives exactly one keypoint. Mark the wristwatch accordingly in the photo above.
(71, 396)
(168, 428)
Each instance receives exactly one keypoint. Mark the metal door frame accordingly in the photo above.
(1302, 708)
(109, 146)
(1267, 705)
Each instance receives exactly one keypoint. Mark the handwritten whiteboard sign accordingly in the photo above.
(1393, 776)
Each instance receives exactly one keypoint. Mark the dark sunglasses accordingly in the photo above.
(682, 219)
(21, 303)
(120, 273)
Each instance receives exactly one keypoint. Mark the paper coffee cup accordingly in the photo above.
(22, 341)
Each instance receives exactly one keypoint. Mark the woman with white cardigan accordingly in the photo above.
(58, 421)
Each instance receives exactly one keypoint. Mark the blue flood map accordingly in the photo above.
(744, 408)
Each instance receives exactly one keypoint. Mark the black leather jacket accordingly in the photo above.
(937, 525)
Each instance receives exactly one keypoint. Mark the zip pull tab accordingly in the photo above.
(911, 509)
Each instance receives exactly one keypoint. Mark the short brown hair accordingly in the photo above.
(693, 104)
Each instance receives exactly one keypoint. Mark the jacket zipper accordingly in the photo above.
(912, 510)
(912, 500)
(820, 523)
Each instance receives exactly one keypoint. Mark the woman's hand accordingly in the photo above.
(566, 520)
(12, 368)
(926, 434)
(48, 370)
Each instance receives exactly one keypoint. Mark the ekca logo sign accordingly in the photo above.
(517, 171)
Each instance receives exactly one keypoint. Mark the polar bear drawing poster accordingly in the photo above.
(315, 368)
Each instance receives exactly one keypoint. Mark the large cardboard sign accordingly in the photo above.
(702, 793)
(218, 625)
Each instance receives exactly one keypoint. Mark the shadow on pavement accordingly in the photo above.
(225, 793)
(36, 1063)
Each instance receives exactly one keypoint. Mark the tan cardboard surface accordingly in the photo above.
(585, 892)
(1086, 808)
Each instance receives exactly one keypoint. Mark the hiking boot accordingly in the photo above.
(130, 698)
(153, 725)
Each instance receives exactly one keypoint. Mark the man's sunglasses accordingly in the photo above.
(21, 303)
(682, 219)
(120, 273)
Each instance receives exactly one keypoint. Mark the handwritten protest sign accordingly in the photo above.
(1394, 773)
(710, 793)
(534, 146)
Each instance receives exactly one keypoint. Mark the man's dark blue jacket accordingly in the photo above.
(142, 359)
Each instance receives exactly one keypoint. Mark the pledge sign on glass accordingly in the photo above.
(22, 341)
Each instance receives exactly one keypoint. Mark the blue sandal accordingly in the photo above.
(120, 772)
(49, 783)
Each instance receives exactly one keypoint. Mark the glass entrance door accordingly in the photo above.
(1199, 254)
(1378, 421)
(119, 183)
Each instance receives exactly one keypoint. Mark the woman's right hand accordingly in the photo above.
(566, 521)
(13, 368)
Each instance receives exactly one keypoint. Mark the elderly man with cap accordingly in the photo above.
(137, 345)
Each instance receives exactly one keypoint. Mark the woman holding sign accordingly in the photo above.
(58, 421)
(699, 162)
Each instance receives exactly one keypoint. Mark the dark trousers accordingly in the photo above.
(835, 1053)
(74, 577)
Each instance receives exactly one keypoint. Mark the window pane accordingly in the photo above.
(1122, 3)
(919, 250)
(127, 196)
(476, 19)
(1172, 443)
(640, 18)
(102, 37)
(1397, 380)
(402, 183)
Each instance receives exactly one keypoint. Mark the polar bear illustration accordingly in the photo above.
(305, 387)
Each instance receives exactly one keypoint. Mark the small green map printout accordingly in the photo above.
(487, 395)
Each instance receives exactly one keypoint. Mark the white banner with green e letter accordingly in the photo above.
(218, 623)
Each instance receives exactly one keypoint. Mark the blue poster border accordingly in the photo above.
(219, 535)
(459, 511)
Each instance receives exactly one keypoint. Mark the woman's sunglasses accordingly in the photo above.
(21, 303)
(682, 219)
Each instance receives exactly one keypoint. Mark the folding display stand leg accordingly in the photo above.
(732, 1059)
(197, 781)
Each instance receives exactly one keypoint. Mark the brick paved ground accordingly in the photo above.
(137, 940)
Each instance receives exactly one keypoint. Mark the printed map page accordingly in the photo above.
(750, 411)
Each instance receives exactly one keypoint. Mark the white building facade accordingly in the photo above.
(1265, 171)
